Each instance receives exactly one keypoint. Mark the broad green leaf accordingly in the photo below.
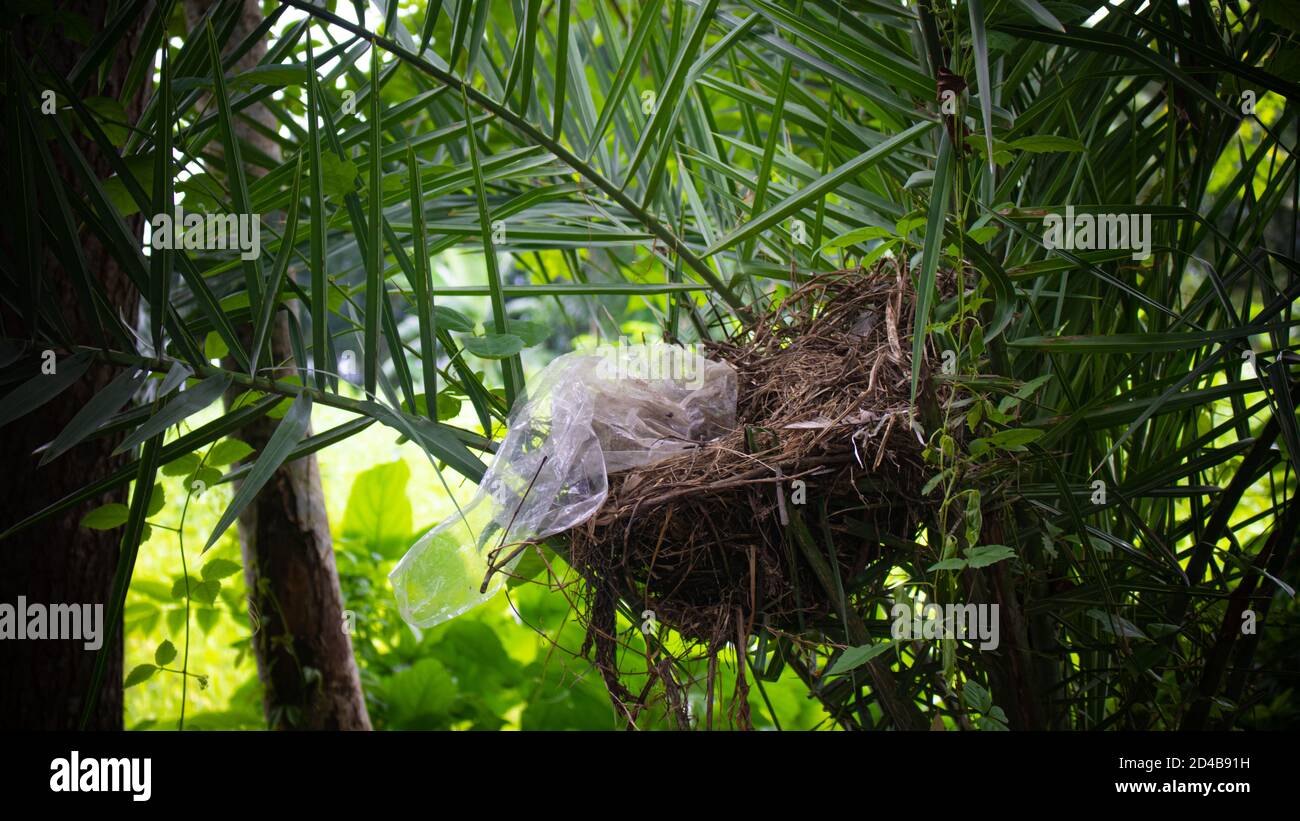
(855, 657)
(856, 236)
(532, 333)
(105, 517)
(139, 675)
(947, 564)
(227, 452)
(451, 320)
(157, 500)
(493, 346)
(378, 514)
(214, 347)
(217, 569)
(421, 696)
(183, 466)
(986, 555)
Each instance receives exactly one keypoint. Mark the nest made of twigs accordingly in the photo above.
(826, 437)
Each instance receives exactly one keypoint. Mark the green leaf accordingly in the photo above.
(316, 165)
(421, 696)
(165, 654)
(43, 387)
(227, 452)
(1010, 440)
(214, 347)
(200, 591)
(112, 118)
(976, 696)
(855, 657)
(177, 375)
(95, 412)
(234, 164)
(286, 436)
(947, 564)
(373, 256)
(1117, 625)
(1046, 144)
(1121, 343)
(202, 479)
(1040, 14)
(512, 368)
(378, 515)
(648, 18)
(448, 319)
(278, 271)
(338, 175)
(275, 76)
(493, 346)
(157, 500)
(532, 333)
(979, 41)
(673, 92)
(139, 675)
(183, 466)
(422, 281)
(201, 437)
(986, 555)
(161, 268)
(447, 406)
(925, 289)
(105, 517)
(216, 569)
(823, 185)
(1015, 439)
(178, 409)
(857, 235)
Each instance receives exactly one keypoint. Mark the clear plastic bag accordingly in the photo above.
(586, 415)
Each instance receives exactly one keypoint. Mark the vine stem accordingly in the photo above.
(185, 574)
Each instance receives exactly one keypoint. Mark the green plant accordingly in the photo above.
(678, 160)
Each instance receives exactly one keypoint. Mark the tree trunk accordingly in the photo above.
(43, 683)
(304, 655)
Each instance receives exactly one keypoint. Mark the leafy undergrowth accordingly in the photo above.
(510, 664)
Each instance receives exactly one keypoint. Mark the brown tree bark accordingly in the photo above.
(304, 655)
(43, 683)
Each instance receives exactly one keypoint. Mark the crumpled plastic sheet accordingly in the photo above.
(586, 415)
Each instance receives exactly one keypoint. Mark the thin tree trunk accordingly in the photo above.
(304, 655)
(43, 683)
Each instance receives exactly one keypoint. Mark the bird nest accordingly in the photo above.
(718, 539)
